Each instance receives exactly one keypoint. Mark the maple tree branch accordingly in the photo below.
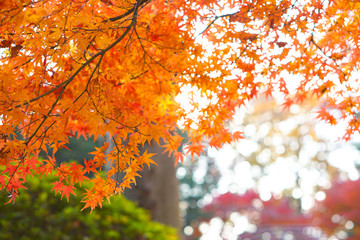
(118, 161)
(243, 51)
(241, 13)
(225, 15)
(22, 159)
(145, 52)
(43, 133)
(46, 116)
(90, 78)
(130, 11)
(72, 77)
(23, 64)
(66, 19)
(27, 125)
(139, 75)
(288, 15)
(329, 57)
(209, 25)
(133, 128)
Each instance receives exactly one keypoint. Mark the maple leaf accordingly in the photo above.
(195, 149)
(58, 186)
(77, 173)
(145, 158)
(66, 190)
(12, 197)
(287, 104)
(89, 166)
(179, 156)
(237, 135)
(324, 115)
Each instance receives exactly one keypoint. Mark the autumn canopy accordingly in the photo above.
(90, 67)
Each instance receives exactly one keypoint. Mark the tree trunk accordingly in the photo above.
(157, 189)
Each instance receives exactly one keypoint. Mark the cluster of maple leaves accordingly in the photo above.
(339, 211)
(88, 67)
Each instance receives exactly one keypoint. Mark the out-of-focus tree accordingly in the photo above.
(198, 179)
(283, 151)
(78, 149)
(275, 218)
(39, 214)
(157, 188)
(339, 213)
(285, 156)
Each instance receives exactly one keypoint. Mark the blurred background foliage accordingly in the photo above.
(39, 214)
(274, 184)
(80, 148)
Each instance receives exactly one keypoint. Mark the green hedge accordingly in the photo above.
(39, 214)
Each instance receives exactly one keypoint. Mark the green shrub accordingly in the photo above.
(39, 214)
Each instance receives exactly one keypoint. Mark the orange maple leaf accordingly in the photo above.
(66, 190)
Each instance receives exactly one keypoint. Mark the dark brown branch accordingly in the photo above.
(130, 11)
(332, 59)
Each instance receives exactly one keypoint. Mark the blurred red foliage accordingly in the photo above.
(340, 210)
(276, 217)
